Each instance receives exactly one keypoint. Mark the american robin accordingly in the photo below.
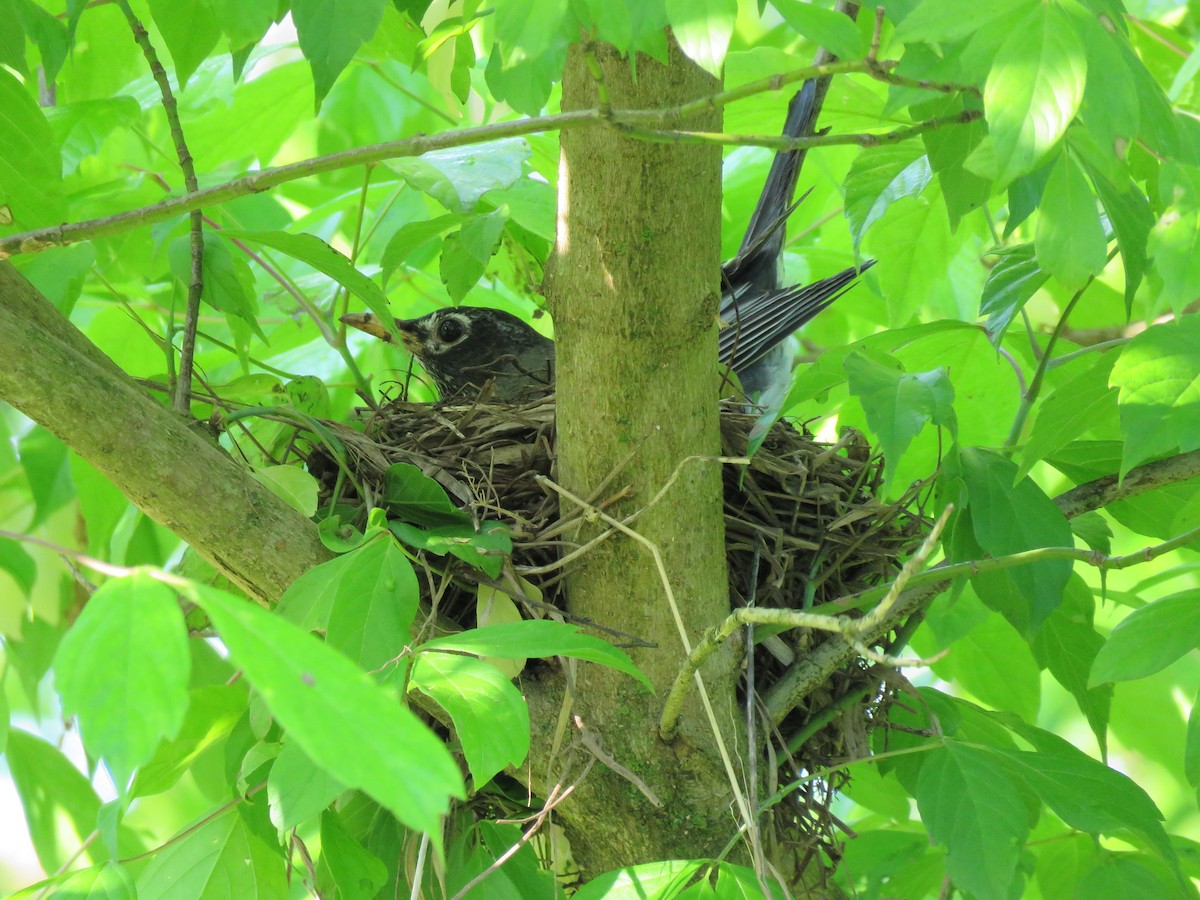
(465, 347)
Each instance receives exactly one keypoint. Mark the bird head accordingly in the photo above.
(465, 347)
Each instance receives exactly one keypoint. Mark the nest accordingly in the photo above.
(803, 524)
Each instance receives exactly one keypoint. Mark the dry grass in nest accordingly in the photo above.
(803, 527)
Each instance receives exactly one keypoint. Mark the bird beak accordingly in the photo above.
(370, 323)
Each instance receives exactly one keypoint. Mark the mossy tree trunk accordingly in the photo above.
(634, 293)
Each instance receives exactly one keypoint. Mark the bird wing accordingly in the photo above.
(757, 320)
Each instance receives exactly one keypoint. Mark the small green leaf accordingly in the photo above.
(374, 609)
(824, 27)
(898, 403)
(459, 176)
(878, 177)
(318, 254)
(1131, 219)
(55, 797)
(47, 33)
(228, 281)
(1032, 92)
(490, 716)
(1149, 639)
(1010, 519)
(467, 252)
(213, 711)
(1010, 284)
(1067, 645)
(703, 29)
(297, 789)
(1069, 238)
(485, 548)
(537, 638)
(123, 669)
(1075, 408)
(31, 192)
(330, 32)
(413, 496)
(1175, 247)
(1084, 793)
(295, 486)
(936, 21)
(348, 725)
(638, 882)
(368, 576)
(978, 814)
(409, 238)
(1160, 391)
(220, 858)
(355, 871)
(190, 30)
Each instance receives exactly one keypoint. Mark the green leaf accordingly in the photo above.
(123, 670)
(467, 252)
(703, 29)
(356, 872)
(245, 21)
(538, 638)
(948, 148)
(1071, 411)
(1067, 645)
(1191, 751)
(898, 403)
(108, 882)
(349, 726)
(1158, 373)
(1007, 519)
(190, 30)
(1149, 639)
(936, 21)
(630, 27)
(1069, 238)
(12, 38)
(485, 549)
(878, 177)
(373, 610)
(978, 814)
(1131, 219)
(298, 789)
(642, 881)
(829, 29)
(318, 254)
(412, 496)
(291, 484)
(1032, 92)
(369, 575)
(48, 33)
(31, 192)
(409, 238)
(1175, 247)
(81, 128)
(53, 793)
(459, 176)
(330, 32)
(228, 282)
(16, 561)
(213, 711)
(489, 714)
(220, 858)
(1084, 793)
(1123, 875)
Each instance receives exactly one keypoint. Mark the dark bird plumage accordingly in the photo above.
(465, 347)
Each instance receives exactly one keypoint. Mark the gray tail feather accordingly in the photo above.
(757, 261)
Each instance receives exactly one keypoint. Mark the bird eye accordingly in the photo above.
(449, 330)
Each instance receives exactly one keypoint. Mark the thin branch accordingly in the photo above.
(1148, 477)
(187, 353)
(256, 182)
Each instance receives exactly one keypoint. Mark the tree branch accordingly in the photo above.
(56, 376)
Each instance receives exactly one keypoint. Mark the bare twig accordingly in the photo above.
(187, 352)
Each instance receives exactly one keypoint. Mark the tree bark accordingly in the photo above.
(634, 288)
(57, 377)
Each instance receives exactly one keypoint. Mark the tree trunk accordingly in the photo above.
(634, 292)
